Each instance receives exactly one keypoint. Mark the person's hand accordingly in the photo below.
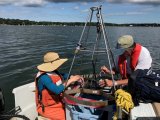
(109, 83)
(105, 69)
(105, 83)
(75, 78)
(102, 83)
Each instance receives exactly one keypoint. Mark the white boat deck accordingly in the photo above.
(25, 98)
(143, 110)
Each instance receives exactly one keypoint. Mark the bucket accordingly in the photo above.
(78, 112)
(84, 116)
(81, 112)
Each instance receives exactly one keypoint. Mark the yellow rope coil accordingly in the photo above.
(124, 100)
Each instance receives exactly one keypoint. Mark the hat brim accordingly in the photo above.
(118, 46)
(51, 66)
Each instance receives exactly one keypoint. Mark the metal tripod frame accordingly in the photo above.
(100, 30)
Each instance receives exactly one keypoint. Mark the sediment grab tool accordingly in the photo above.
(74, 100)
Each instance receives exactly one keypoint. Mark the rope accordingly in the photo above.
(8, 117)
(124, 100)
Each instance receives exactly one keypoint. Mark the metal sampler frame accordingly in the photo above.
(101, 31)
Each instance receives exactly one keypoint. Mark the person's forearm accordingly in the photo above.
(47, 82)
(110, 72)
(121, 82)
(67, 83)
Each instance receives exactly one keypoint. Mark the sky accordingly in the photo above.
(113, 11)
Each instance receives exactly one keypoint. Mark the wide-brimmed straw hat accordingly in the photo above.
(51, 62)
(125, 41)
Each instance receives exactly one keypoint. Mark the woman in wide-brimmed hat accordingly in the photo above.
(49, 87)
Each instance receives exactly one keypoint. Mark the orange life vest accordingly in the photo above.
(122, 61)
(50, 105)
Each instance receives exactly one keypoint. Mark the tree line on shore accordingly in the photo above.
(4, 21)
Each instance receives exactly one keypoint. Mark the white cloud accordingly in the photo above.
(135, 13)
(23, 2)
(148, 9)
(6, 2)
(84, 2)
(86, 10)
(126, 13)
(76, 7)
(151, 2)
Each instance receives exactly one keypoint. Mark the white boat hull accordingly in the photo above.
(25, 98)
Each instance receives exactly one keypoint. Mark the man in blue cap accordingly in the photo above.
(134, 57)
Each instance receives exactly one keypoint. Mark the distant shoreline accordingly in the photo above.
(4, 21)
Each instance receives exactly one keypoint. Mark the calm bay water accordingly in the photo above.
(22, 49)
